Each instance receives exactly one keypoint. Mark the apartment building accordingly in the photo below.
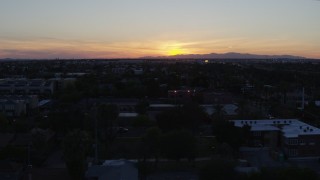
(292, 136)
(14, 106)
(26, 86)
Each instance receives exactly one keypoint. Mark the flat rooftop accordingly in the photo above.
(290, 128)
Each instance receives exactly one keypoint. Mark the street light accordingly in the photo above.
(29, 167)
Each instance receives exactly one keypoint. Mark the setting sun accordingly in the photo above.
(174, 48)
(173, 52)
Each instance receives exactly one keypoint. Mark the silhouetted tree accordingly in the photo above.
(217, 169)
(189, 116)
(4, 123)
(193, 115)
(107, 115)
(219, 113)
(152, 143)
(243, 109)
(178, 144)
(286, 173)
(141, 121)
(170, 119)
(142, 106)
(75, 148)
(226, 132)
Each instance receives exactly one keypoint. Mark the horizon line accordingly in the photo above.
(177, 56)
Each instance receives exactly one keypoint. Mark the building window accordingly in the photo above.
(256, 133)
(257, 143)
(292, 152)
(312, 143)
(9, 107)
(293, 141)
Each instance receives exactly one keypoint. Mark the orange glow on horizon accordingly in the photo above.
(55, 48)
(174, 48)
(174, 52)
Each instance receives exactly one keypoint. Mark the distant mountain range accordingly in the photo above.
(229, 55)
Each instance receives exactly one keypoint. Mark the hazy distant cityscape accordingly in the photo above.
(159, 90)
(160, 119)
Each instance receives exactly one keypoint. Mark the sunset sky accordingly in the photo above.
(136, 28)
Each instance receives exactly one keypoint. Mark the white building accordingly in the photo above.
(295, 138)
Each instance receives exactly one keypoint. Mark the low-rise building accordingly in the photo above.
(60, 83)
(13, 106)
(5, 139)
(11, 170)
(293, 137)
(230, 111)
(113, 169)
(181, 95)
(26, 86)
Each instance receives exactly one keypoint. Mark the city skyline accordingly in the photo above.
(132, 29)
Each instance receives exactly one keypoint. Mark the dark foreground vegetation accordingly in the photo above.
(154, 112)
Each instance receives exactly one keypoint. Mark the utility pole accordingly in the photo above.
(29, 166)
(96, 134)
(302, 105)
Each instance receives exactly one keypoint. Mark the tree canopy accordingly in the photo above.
(75, 148)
